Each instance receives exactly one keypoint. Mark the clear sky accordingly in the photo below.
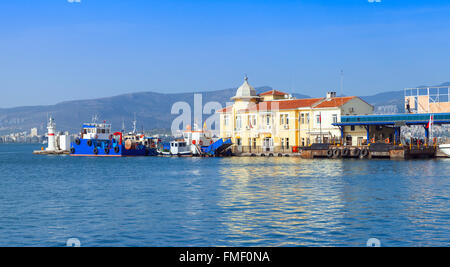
(54, 50)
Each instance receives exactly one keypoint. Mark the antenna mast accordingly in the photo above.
(134, 123)
(95, 118)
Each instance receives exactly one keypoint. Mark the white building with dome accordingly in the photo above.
(276, 122)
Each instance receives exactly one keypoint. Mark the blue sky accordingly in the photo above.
(53, 50)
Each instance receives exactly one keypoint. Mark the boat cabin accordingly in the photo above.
(101, 131)
(179, 148)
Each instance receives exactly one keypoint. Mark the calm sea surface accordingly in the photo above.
(44, 200)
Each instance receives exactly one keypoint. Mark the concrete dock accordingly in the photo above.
(54, 152)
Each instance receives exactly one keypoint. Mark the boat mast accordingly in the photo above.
(134, 123)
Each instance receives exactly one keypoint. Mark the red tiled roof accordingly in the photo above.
(334, 102)
(283, 104)
(227, 109)
(273, 92)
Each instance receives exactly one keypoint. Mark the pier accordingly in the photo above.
(337, 151)
(372, 151)
(51, 152)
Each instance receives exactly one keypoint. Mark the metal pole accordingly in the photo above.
(320, 120)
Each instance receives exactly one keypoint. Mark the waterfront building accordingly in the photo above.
(274, 121)
(33, 132)
(427, 99)
(388, 128)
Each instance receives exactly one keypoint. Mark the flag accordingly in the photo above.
(430, 123)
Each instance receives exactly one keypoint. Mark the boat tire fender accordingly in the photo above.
(365, 152)
(116, 149)
(89, 142)
(72, 150)
(337, 153)
(78, 141)
(95, 151)
(345, 152)
(106, 151)
(330, 153)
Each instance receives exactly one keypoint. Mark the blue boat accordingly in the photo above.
(97, 140)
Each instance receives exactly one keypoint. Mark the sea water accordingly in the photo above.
(154, 201)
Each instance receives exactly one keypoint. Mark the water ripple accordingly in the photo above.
(44, 200)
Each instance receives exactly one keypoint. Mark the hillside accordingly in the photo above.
(153, 111)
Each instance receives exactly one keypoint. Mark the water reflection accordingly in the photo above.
(280, 202)
(222, 201)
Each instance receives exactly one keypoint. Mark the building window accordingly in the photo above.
(268, 119)
(282, 143)
(254, 142)
(307, 118)
(238, 141)
(335, 120)
(238, 122)
(302, 118)
(318, 119)
(284, 119)
(226, 120)
(252, 121)
(287, 143)
(352, 128)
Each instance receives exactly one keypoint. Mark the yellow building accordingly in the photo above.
(276, 122)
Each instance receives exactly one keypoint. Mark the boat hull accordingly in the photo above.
(445, 149)
(182, 154)
(104, 149)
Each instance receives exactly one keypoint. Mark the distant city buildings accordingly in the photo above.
(33, 132)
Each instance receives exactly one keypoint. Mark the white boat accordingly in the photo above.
(197, 138)
(445, 148)
(177, 148)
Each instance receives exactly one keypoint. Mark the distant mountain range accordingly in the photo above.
(153, 110)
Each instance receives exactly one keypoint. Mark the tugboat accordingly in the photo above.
(98, 140)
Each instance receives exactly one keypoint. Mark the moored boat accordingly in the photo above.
(445, 148)
(98, 140)
(176, 148)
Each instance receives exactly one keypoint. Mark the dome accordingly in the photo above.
(245, 91)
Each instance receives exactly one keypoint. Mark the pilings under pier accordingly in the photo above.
(373, 151)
